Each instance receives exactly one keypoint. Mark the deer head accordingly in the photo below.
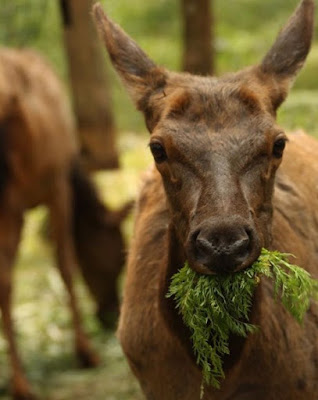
(215, 141)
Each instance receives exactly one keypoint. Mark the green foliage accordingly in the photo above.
(21, 21)
(292, 284)
(215, 306)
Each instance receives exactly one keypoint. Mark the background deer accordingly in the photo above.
(211, 201)
(38, 165)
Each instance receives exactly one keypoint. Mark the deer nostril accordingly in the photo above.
(203, 245)
(241, 245)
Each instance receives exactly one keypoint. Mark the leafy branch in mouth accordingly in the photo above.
(216, 306)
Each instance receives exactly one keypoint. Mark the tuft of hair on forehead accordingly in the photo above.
(214, 101)
(179, 104)
(249, 99)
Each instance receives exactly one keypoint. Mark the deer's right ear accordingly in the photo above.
(141, 76)
(288, 54)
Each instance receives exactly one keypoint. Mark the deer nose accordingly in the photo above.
(221, 248)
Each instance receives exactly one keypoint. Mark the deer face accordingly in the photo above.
(217, 149)
(215, 142)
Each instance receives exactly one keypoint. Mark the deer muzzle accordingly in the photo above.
(223, 245)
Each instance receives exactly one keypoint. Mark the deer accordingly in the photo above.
(40, 164)
(227, 181)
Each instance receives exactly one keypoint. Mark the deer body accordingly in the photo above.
(219, 193)
(28, 98)
(278, 362)
(39, 165)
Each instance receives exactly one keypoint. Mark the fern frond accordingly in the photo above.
(215, 306)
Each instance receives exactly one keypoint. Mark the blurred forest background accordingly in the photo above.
(243, 31)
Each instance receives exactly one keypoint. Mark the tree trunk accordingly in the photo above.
(198, 37)
(90, 88)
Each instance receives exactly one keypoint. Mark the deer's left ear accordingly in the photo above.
(141, 76)
(288, 54)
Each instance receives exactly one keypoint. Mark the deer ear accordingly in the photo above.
(141, 76)
(289, 52)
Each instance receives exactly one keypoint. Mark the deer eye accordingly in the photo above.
(278, 148)
(158, 152)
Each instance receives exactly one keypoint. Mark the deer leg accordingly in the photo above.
(61, 220)
(9, 239)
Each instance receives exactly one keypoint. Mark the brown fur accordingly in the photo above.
(212, 193)
(38, 166)
(99, 246)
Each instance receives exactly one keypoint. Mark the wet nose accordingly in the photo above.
(221, 248)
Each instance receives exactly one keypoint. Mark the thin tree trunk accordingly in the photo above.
(198, 36)
(90, 87)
